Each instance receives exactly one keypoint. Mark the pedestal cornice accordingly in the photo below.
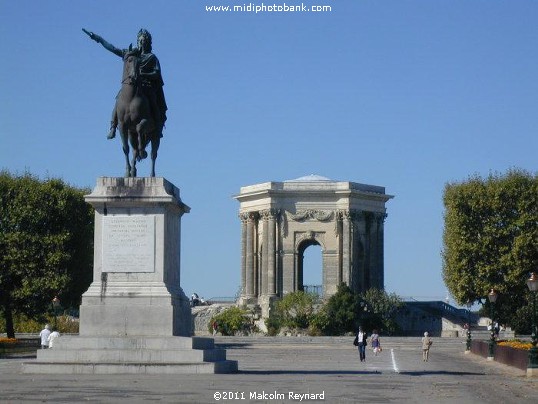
(140, 190)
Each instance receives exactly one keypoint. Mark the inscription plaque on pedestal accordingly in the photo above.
(128, 243)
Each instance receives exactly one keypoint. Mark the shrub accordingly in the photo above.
(273, 324)
(231, 321)
(516, 344)
(296, 309)
(23, 324)
(319, 322)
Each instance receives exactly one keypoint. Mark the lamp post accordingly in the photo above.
(56, 307)
(532, 368)
(492, 296)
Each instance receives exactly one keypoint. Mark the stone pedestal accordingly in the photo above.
(136, 285)
(134, 317)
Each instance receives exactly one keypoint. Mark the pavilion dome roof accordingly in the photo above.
(310, 178)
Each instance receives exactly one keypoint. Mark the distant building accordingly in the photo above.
(279, 220)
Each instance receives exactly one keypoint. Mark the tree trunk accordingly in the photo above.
(8, 315)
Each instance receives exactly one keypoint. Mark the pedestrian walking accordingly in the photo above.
(52, 337)
(361, 341)
(44, 335)
(426, 344)
(375, 342)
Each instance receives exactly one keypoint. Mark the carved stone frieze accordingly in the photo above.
(312, 214)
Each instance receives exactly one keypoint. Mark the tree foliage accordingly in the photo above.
(379, 309)
(491, 239)
(46, 245)
(342, 311)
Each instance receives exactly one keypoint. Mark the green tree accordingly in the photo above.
(373, 309)
(342, 311)
(46, 245)
(379, 309)
(491, 239)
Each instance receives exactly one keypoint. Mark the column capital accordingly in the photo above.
(248, 216)
(267, 214)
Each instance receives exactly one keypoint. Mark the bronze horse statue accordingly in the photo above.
(135, 122)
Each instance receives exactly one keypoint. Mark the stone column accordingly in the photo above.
(339, 246)
(346, 248)
(360, 246)
(271, 253)
(243, 217)
(264, 255)
(377, 278)
(250, 255)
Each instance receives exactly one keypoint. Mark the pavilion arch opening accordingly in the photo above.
(310, 267)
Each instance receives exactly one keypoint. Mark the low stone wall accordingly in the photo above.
(518, 358)
(480, 348)
(23, 345)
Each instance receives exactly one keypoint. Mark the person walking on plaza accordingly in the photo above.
(376, 344)
(426, 344)
(52, 337)
(44, 335)
(361, 340)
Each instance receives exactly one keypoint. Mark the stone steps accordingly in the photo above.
(135, 342)
(129, 368)
(131, 355)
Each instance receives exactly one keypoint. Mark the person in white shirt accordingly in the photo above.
(361, 339)
(52, 338)
(44, 335)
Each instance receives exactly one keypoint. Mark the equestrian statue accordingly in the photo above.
(140, 108)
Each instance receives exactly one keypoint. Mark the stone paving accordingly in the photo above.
(295, 369)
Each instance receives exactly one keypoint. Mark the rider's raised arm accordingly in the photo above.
(108, 46)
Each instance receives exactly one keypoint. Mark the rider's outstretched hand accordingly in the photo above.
(93, 36)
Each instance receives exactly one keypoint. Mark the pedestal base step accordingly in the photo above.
(131, 355)
(225, 366)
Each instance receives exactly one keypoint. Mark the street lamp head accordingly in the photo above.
(532, 283)
(492, 296)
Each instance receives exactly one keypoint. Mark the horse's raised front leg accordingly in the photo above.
(142, 131)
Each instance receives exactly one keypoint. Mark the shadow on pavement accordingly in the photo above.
(235, 345)
(308, 372)
(440, 372)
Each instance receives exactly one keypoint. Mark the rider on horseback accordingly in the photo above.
(150, 72)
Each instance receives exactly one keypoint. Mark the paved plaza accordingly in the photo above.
(288, 370)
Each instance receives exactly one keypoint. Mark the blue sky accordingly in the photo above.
(408, 95)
